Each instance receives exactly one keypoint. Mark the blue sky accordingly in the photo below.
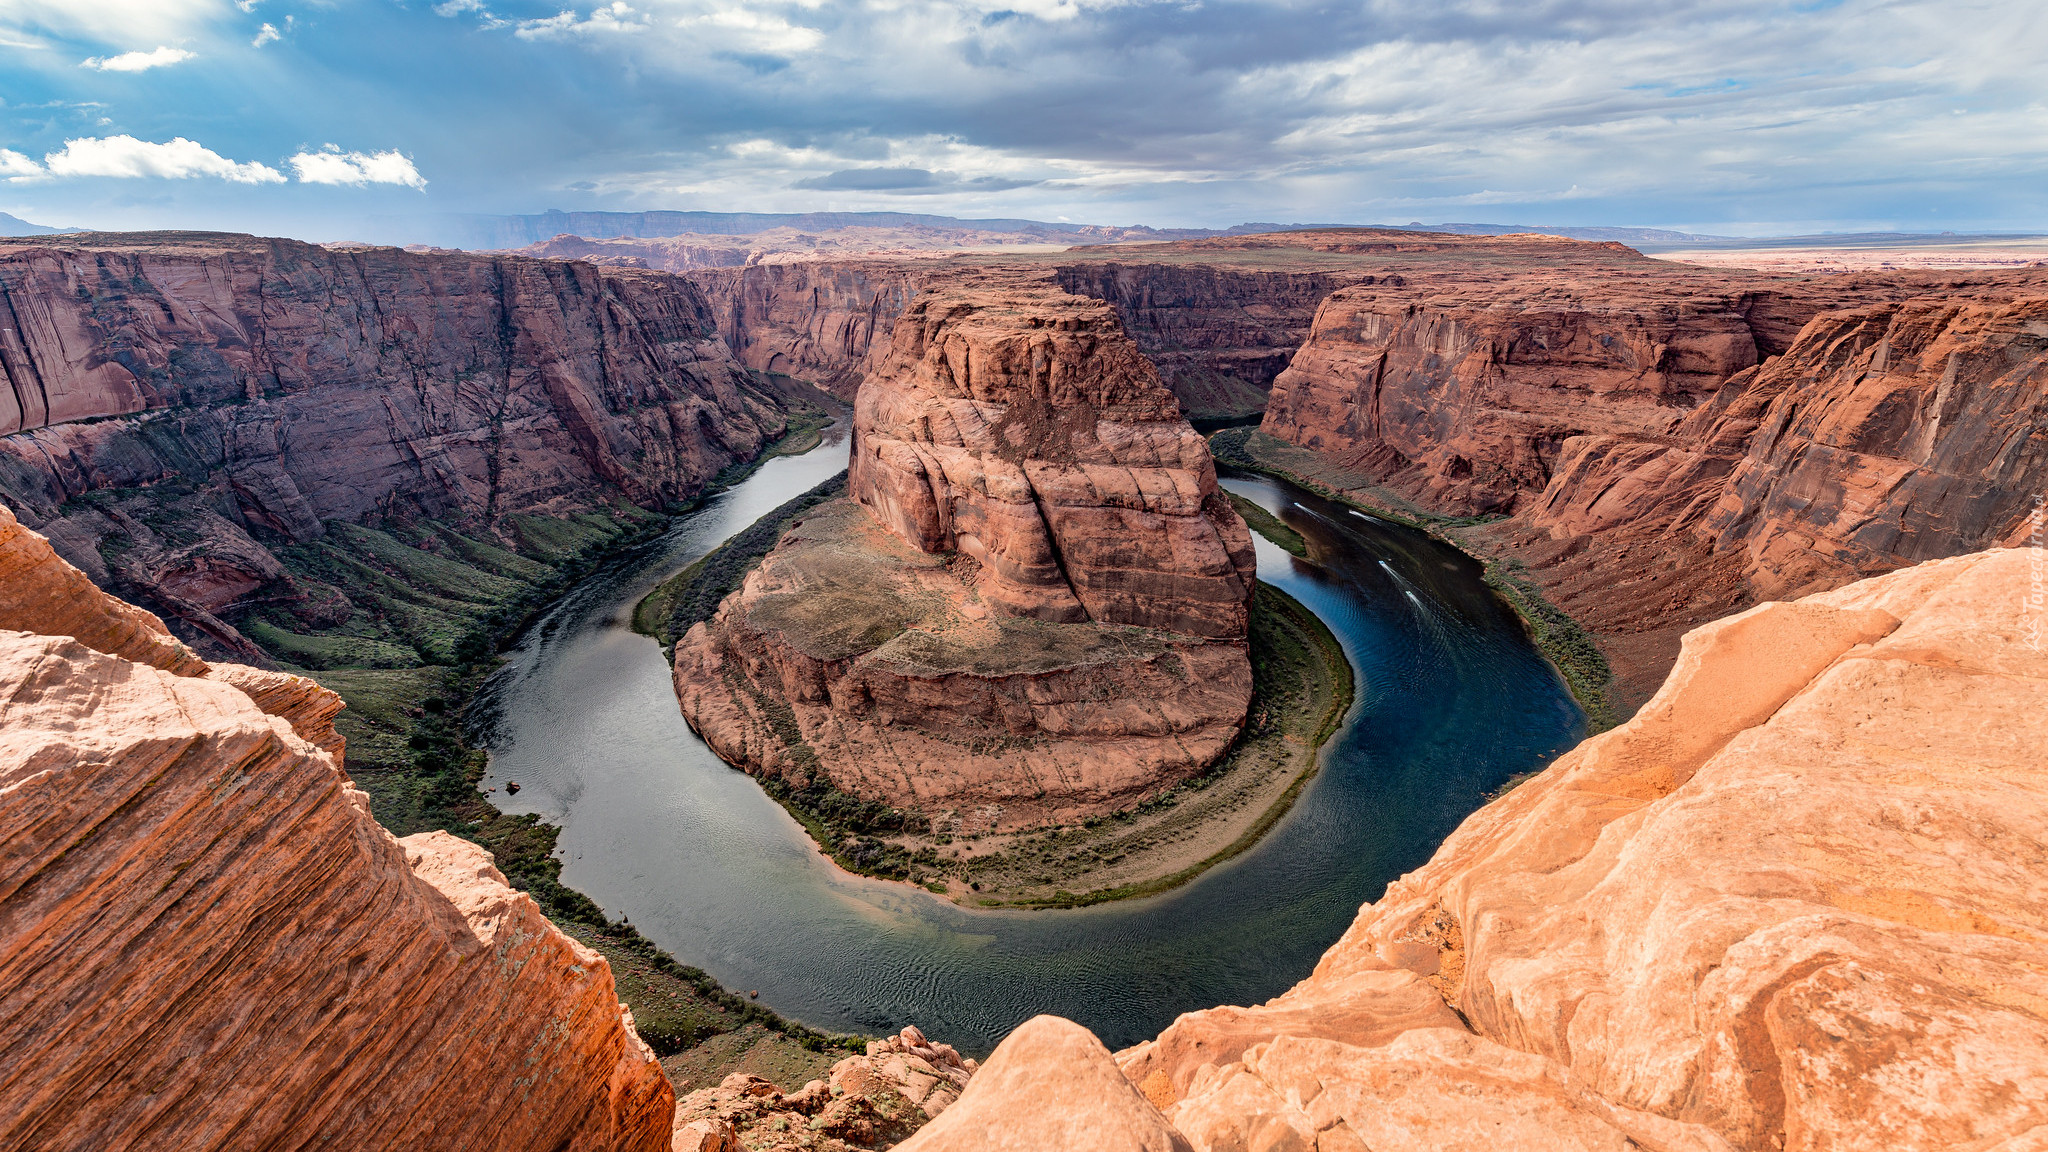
(333, 119)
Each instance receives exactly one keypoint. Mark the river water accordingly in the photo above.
(1452, 701)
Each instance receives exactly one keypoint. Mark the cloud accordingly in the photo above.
(331, 165)
(907, 182)
(110, 21)
(16, 166)
(162, 57)
(265, 35)
(614, 17)
(126, 157)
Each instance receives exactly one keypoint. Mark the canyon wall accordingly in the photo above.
(1218, 334)
(1797, 903)
(1034, 604)
(183, 404)
(207, 943)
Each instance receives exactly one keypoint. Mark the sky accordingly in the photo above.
(367, 119)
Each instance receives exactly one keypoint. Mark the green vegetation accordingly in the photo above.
(694, 594)
(1268, 525)
(1562, 640)
(404, 618)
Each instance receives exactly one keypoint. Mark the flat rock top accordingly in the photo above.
(839, 586)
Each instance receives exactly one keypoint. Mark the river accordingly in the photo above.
(1452, 701)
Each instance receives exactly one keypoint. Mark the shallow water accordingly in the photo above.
(1452, 701)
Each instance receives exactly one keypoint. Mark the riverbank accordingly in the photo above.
(1568, 645)
(410, 750)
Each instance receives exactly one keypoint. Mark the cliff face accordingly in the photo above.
(206, 941)
(1024, 429)
(257, 388)
(1795, 904)
(1884, 436)
(814, 321)
(1034, 604)
(1219, 335)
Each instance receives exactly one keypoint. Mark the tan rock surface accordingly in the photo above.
(1796, 903)
(207, 942)
(1049, 1084)
(1021, 427)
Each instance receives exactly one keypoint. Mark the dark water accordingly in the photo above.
(1452, 701)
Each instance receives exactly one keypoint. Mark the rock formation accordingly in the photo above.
(812, 321)
(1795, 904)
(242, 392)
(206, 941)
(1038, 603)
(869, 1101)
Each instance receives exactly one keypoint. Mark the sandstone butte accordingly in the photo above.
(1799, 902)
(1034, 601)
(288, 385)
(206, 941)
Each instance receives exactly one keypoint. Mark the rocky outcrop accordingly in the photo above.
(181, 402)
(207, 942)
(1034, 605)
(1022, 428)
(1795, 904)
(870, 1101)
(1049, 1084)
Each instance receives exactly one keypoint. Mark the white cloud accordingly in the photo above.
(614, 17)
(111, 21)
(14, 165)
(126, 157)
(162, 57)
(331, 165)
(265, 35)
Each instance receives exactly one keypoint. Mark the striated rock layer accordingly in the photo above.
(276, 385)
(1034, 604)
(1796, 904)
(207, 942)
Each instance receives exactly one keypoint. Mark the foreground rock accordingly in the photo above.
(1035, 610)
(871, 1101)
(1796, 903)
(207, 942)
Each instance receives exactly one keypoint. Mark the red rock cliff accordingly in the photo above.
(1795, 905)
(1021, 427)
(293, 384)
(207, 943)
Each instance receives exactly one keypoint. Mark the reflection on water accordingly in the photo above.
(1452, 701)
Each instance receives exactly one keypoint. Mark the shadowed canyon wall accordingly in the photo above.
(184, 405)
(207, 943)
(1035, 600)
(1795, 904)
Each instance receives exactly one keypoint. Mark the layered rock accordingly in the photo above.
(242, 392)
(1795, 904)
(1022, 428)
(207, 942)
(1034, 605)
(816, 322)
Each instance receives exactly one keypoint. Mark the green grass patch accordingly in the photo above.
(1268, 525)
(693, 594)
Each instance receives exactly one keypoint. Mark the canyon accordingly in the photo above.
(1032, 605)
(1790, 902)
(1794, 904)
